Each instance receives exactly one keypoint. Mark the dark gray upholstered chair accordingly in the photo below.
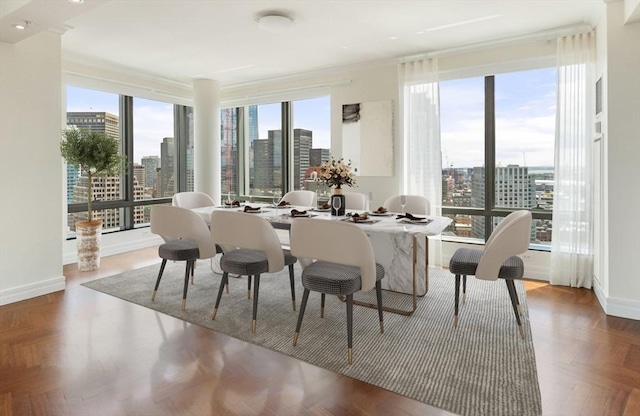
(498, 260)
(250, 247)
(186, 237)
(337, 259)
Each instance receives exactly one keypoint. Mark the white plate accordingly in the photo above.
(408, 221)
(253, 211)
(367, 221)
(322, 209)
(377, 214)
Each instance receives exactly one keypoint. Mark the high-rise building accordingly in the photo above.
(72, 179)
(229, 149)
(167, 168)
(99, 121)
(317, 156)
(302, 142)
(515, 188)
(151, 163)
(253, 123)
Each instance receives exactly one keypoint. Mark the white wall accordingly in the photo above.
(30, 167)
(621, 292)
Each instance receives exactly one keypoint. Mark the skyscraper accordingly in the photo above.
(302, 142)
(151, 163)
(167, 167)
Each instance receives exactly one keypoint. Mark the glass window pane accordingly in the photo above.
(229, 150)
(154, 149)
(525, 104)
(96, 111)
(311, 140)
(190, 154)
(265, 149)
(462, 138)
(465, 227)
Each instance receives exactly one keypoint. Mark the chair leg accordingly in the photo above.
(193, 268)
(455, 310)
(249, 287)
(514, 302)
(256, 287)
(164, 263)
(223, 283)
(303, 305)
(293, 289)
(464, 288)
(186, 283)
(379, 296)
(349, 328)
(322, 305)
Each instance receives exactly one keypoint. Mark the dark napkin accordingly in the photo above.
(410, 217)
(295, 213)
(247, 208)
(381, 210)
(326, 206)
(283, 203)
(233, 204)
(358, 217)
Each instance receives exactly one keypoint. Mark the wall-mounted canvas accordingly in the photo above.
(367, 137)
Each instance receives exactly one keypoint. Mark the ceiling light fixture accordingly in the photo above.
(275, 23)
(25, 24)
(76, 1)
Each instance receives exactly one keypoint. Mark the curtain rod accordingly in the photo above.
(514, 40)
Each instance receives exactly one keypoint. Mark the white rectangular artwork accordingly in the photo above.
(367, 137)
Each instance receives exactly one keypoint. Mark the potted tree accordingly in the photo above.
(96, 154)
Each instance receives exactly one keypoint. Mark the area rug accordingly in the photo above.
(483, 367)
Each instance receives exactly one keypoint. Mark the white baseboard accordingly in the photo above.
(32, 290)
(622, 308)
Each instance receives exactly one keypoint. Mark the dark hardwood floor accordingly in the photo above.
(81, 352)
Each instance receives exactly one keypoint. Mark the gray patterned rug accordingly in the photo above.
(481, 368)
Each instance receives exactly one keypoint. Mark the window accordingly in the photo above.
(265, 149)
(146, 130)
(498, 136)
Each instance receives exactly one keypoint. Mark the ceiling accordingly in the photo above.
(181, 40)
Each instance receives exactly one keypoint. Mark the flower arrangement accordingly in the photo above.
(337, 173)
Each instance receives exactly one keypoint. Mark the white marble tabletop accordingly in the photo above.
(281, 218)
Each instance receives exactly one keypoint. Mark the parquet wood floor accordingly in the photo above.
(80, 352)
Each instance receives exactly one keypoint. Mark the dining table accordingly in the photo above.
(400, 244)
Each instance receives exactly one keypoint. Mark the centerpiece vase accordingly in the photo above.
(337, 193)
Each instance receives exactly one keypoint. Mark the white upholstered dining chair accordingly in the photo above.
(301, 198)
(355, 200)
(191, 200)
(337, 259)
(498, 260)
(416, 204)
(186, 237)
(250, 247)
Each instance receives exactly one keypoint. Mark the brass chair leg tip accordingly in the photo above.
(521, 331)
(153, 295)
(215, 312)
(464, 298)
(455, 321)
(321, 312)
(349, 355)
(295, 338)
(249, 294)
(253, 326)
(184, 303)
(381, 327)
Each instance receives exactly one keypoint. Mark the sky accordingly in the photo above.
(525, 105)
(525, 119)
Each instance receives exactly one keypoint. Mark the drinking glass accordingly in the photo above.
(403, 202)
(276, 200)
(336, 203)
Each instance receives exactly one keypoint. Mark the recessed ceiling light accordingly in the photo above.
(76, 1)
(275, 23)
(22, 25)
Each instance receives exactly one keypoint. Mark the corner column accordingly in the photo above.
(207, 137)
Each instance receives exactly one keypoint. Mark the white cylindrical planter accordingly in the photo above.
(88, 236)
(207, 137)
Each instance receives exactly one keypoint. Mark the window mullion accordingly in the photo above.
(489, 154)
(126, 132)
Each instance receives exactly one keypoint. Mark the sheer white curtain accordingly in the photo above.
(420, 107)
(572, 241)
